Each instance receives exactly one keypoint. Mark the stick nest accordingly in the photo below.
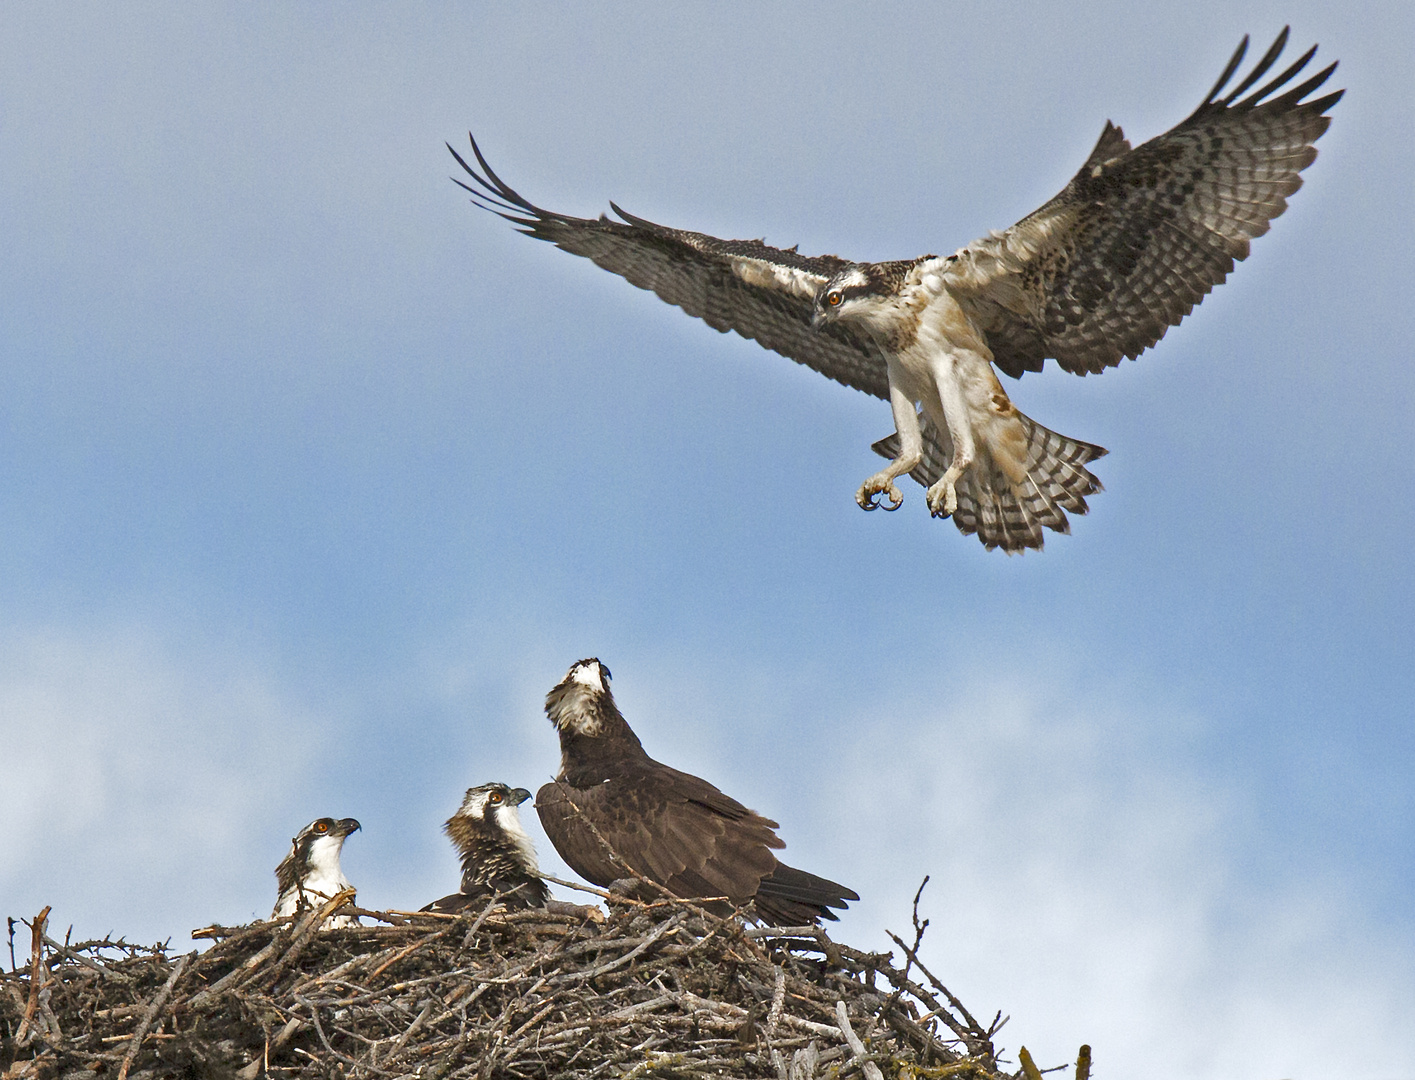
(660, 989)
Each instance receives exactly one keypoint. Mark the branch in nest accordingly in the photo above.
(660, 986)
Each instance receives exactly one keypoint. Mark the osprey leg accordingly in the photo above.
(949, 375)
(911, 451)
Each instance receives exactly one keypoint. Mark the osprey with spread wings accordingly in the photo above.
(1099, 273)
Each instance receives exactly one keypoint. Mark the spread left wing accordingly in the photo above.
(761, 292)
(1140, 236)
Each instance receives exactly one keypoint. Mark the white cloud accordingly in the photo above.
(140, 779)
(1090, 880)
(1091, 876)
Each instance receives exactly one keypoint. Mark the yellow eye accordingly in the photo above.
(834, 298)
(321, 827)
(494, 797)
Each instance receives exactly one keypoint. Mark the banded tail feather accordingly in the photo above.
(1003, 514)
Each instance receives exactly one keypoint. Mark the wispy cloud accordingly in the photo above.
(1091, 878)
(142, 779)
(1092, 874)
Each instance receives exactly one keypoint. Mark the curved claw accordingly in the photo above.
(870, 499)
(942, 503)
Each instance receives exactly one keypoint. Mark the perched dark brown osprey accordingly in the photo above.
(661, 824)
(498, 858)
(1098, 274)
(311, 874)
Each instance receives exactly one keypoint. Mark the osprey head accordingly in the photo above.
(580, 701)
(495, 800)
(318, 844)
(850, 293)
(486, 811)
(323, 834)
(311, 871)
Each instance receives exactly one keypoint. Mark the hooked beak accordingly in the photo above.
(349, 825)
(519, 796)
(817, 320)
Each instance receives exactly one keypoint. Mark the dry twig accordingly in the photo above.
(658, 988)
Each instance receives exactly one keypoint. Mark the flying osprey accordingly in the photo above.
(311, 874)
(498, 858)
(613, 811)
(1098, 274)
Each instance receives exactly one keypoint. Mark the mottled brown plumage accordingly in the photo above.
(1140, 236)
(613, 812)
(497, 857)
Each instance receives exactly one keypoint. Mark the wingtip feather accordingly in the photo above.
(1260, 68)
(1233, 62)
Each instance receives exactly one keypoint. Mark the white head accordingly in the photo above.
(589, 673)
(497, 800)
(575, 704)
(862, 293)
(311, 873)
(498, 806)
(319, 843)
(841, 294)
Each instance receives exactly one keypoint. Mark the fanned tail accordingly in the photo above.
(1005, 514)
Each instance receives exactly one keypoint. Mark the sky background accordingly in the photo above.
(314, 479)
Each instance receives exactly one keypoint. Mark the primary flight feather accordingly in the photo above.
(1129, 247)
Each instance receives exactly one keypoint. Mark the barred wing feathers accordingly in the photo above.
(1140, 236)
(761, 292)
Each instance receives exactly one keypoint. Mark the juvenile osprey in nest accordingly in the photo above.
(498, 858)
(613, 812)
(1098, 274)
(310, 875)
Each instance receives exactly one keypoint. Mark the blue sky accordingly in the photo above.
(316, 478)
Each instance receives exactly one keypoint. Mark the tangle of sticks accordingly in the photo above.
(658, 988)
